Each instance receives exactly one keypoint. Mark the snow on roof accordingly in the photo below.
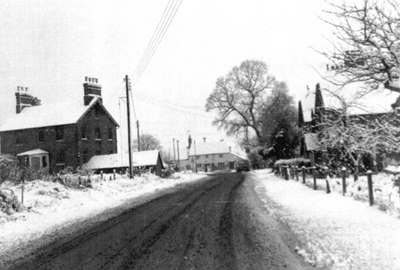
(207, 148)
(311, 141)
(45, 115)
(33, 152)
(143, 158)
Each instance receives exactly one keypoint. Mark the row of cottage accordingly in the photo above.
(84, 134)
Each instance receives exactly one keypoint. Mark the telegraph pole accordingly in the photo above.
(195, 157)
(138, 136)
(177, 150)
(127, 88)
(173, 149)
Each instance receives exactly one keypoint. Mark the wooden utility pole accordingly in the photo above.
(195, 157)
(177, 151)
(127, 88)
(173, 149)
(138, 136)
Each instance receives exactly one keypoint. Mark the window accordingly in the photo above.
(60, 158)
(97, 133)
(41, 135)
(85, 156)
(83, 133)
(97, 111)
(98, 148)
(206, 156)
(59, 133)
(18, 138)
(221, 155)
(44, 161)
(110, 133)
(197, 157)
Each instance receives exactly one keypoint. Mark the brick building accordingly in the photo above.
(310, 146)
(59, 135)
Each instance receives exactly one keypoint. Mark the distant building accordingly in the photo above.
(59, 135)
(149, 160)
(209, 156)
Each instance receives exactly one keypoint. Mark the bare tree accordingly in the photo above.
(238, 98)
(367, 43)
(147, 142)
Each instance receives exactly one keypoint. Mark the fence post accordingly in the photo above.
(22, 189)
(296, 173)
(370, 188)
(113, 174)
(344, 187)
(304, 174)
(292, 172)
(314, 178)
(328, 187)
(286, 168)
(101, 175)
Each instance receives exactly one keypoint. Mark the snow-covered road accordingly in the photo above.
(56, 211)
(335, 232)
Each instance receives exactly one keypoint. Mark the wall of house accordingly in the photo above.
(211, 161)
(72, 145)
(29, 140)
(91, 144)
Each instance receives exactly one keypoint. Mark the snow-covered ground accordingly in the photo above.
(336, 232)
(386, 195)
(53, 206)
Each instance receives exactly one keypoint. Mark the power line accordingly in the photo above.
(170, 10)
(155, 35)
(165, 22)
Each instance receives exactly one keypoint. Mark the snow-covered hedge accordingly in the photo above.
(292, 162)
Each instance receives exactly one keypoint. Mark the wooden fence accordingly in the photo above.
(297, 173)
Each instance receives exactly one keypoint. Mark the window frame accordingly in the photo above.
(18, 138)
(60, 130)
(84, 133)
(41, 135)
(60, 157)
(97, 133)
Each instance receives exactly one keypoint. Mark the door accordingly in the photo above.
(35, 163)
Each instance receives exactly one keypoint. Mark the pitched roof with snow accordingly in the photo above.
(143, 158)
(54, 114)
(33, 152)
(209, 148)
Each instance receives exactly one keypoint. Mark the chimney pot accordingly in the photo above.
(91, 90)
(23, 99)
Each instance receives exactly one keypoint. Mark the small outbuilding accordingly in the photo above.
(37, 159)
(149, 160)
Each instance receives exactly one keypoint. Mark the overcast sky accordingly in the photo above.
(51, 45)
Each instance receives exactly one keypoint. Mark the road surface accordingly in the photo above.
(215, 224)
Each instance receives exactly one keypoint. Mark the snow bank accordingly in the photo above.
(53, 205)
(336, 232)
